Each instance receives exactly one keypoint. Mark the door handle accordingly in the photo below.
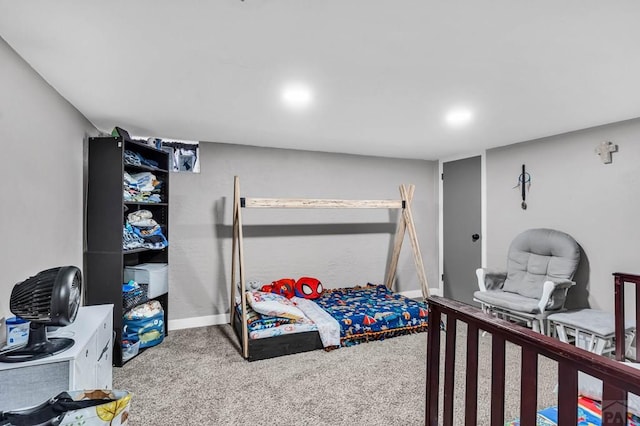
(475, 237)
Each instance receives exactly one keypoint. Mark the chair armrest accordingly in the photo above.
(490, 279)
(554, 294)
(563, 284)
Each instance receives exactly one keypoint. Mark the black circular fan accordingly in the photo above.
(51, 298)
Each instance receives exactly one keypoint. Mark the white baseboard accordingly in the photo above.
(435, 291)
(179, 324)
(412, 294)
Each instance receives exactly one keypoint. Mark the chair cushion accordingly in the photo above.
(539, 255)
(594, 321)
(510, 301)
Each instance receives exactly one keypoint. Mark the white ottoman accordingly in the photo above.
(591, 329)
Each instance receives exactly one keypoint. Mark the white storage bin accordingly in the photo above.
(155, 275)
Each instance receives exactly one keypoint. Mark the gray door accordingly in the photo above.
(461, 211)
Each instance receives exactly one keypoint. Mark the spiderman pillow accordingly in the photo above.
(308, 288)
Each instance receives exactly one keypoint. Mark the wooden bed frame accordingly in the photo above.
(300, 342)
(286, 344)
(618, 379)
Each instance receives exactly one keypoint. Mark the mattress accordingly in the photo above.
(316, 319)
(372, 312)
(282, 329)
(263, 326)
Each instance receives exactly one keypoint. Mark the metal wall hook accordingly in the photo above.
(524, 181)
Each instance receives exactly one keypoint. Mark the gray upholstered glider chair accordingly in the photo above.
(540, 268)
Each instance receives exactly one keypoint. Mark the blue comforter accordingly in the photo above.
(372, 312)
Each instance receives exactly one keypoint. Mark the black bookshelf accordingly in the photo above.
(106, 212)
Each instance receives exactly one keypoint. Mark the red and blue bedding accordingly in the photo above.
(343, 317)
(372, 313)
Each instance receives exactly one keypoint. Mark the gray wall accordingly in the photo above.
(340, 247)
(41, 176)
(572, 191)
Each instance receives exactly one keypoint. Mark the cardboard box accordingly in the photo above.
(155, 275)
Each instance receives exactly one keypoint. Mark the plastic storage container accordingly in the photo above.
(17, 331)
(130, 349)
(153, 274)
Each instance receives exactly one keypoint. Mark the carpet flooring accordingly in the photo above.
(198, 377)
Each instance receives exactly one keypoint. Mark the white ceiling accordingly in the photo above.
(384, 72)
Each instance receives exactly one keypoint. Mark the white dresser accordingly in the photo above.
(86, 365)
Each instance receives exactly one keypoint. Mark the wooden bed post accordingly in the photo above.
(234, 241)
(237, 243)
(413, 237)
(397, 245)
(406, 222)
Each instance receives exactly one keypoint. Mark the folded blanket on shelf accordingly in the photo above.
(135, 159)
(142, 187)
(134, 237)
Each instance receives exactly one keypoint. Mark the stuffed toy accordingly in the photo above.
(253, 284)
(284, 287)
(308, 288)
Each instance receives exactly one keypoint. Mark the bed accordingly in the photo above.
(619, 381)
(359, 312)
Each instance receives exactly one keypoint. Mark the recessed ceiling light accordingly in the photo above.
(459, 117)
(297, 95)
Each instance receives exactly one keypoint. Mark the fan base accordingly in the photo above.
(41, 350)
